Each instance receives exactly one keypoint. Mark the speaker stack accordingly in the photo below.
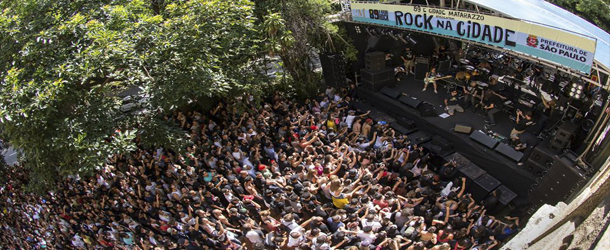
(563, 136)
(484, 185)
(440, 146)
(559, 182)
(540, 160)
(374, 61)
(333, 67)
(471, 172)
(422, 64)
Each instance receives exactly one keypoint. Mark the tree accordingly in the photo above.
(296, 31)
(594, 11)
(64, 62)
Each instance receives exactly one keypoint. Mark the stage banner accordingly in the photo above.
(554, 45)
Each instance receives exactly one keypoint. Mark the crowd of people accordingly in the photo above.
(275, 174)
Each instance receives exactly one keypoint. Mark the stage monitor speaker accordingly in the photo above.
(376, 86)
(459, 159)
(377, 76)
(483, 186)
(542, 155)
(413, 103)
(426, 110)
(390, 92)
(419, 137)
(407, 123)
(509, 152)
(471, 172)
(558, 183)
(374, 60)
(484, 139)
(402, 129)
(464, 129)
(535, 168)
(421, 68)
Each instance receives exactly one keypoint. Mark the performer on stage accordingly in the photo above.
(408, 58)
(523, 121)
(470, 92)
(451, 103)
(430, 78)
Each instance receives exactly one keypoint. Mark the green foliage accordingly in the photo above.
(63, 62)
(594, 11)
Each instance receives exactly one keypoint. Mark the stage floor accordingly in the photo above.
(507, 171)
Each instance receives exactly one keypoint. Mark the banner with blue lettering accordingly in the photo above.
(557, 46)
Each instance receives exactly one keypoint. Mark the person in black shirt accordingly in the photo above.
(451, 103)
(491, 106)
(523, 122)
(407, 57)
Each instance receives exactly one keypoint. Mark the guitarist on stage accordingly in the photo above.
(431, 78)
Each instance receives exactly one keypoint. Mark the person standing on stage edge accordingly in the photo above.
(430, 78)
(408, 58)
(451, 103)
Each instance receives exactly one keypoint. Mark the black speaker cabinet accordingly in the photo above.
(406, 122)
(484, 139)
(459, 159)
(446, 148)
(535, 168)
(402, 129)
(483, 186)
(558, 183)
(509, 152)
(376, 76)
(374, 60)
(390, 92)
(471, 172)
(507, 195)
(542, 155)
(426, 110)
(413, 103)
(419, 137)
(376, 86)
(333, 67)
(566, 131)
(421, 67)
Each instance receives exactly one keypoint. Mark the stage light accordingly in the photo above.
(576, 91)
(357, 28)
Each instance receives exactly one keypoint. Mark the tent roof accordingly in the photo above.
(543, 12)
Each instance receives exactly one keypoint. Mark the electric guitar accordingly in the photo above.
(433, 79)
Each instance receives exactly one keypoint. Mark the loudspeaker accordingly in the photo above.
(471, 172)
(421, 68)
(507, 195)
(407, 123)
(558, 183)
(542, 155)
(376, 76)
(483, 186)
(459, 159)
(413, 103)
(464, 129)
(333, 67)
(444, 65)
(557, 146)
(446, 148)
(535, 168)
(426, 110)
(419, 137)
(509, 152)
(484, 139)
(376, 86)
(390, 92)
(565, 132)
(374, 60)
(401, 129)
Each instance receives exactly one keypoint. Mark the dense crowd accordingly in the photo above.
(274, 174)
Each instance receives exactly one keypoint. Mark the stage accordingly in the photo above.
(499, 166)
